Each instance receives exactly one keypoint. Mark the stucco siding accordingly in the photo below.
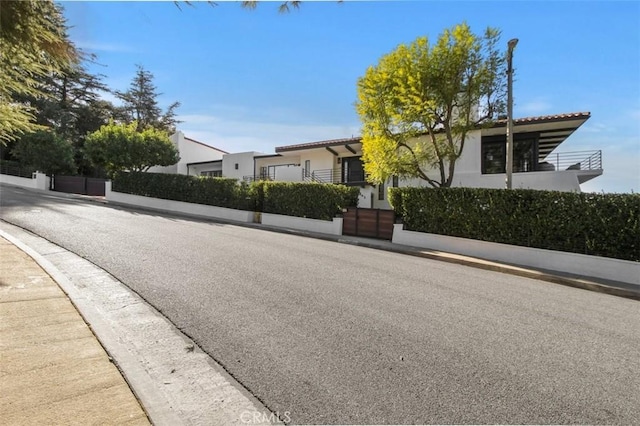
(190, 151)
(319, 159)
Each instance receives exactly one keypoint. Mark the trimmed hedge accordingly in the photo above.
(220, 192)
(605, 225)
(311, 200)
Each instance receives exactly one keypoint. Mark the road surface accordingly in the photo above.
(335, 333)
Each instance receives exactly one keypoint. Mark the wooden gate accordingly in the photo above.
(373, 223)
(78, 185)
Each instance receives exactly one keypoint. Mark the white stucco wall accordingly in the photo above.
(573, 263)
(469, 161)
(288, 174)
(365, 200)
(37, 181)
(190, 151)
(192, 209)
(566, 180)
(384, 203)
(332, 227)
(197, 169)
(244, 162)
(320, 159)
(468, 173)
(277, 160)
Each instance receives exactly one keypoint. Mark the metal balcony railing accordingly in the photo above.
(578, 160)
(353, 177)
(261, 176)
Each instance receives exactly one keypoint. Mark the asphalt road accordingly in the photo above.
(335, 333)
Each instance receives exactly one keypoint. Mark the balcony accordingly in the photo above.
(588, 164)
(578, 160)
(337, 176)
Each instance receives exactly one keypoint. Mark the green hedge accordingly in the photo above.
(311, 200)
(605, 225)
(220, 192)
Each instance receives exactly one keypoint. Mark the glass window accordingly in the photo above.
(493, 157)
(381, 191)
(352, 170)
(494, 153)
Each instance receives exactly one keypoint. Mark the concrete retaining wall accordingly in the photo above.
(333, 227)
(579, 264)
(201, 210)
(38, 181)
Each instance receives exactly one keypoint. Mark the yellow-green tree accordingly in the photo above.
(418, 104)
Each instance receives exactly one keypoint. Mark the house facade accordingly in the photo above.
(537, 162)
(196, 158)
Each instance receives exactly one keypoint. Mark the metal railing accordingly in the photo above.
(335, 176)
(577, 160)
(259, 177)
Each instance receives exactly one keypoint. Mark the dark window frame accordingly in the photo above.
(348, 174)
(381, 192)
(499, 144)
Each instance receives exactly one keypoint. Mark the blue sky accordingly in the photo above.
(251, 80)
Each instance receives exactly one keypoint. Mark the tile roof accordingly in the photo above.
(497, 123)
(320, 144)
(545, 118)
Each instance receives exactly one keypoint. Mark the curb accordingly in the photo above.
(614, 288)
(156, 408)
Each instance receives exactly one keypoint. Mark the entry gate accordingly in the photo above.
(372, 223)
(78, 185)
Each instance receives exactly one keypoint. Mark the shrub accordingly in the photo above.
(221, 192)
(597, 224)
(311, 200)
(45, 151)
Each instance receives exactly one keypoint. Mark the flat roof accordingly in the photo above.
(552, 129)
(197, 163)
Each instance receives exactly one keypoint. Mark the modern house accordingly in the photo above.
(537, 164)
(196, 158)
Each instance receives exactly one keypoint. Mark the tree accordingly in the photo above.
(45, 151)
(33, 44)
(283, 8)
(119, 147)
(141, 104)
(71, 106)
(418, 104)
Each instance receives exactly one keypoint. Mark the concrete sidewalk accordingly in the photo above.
(53, 370)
